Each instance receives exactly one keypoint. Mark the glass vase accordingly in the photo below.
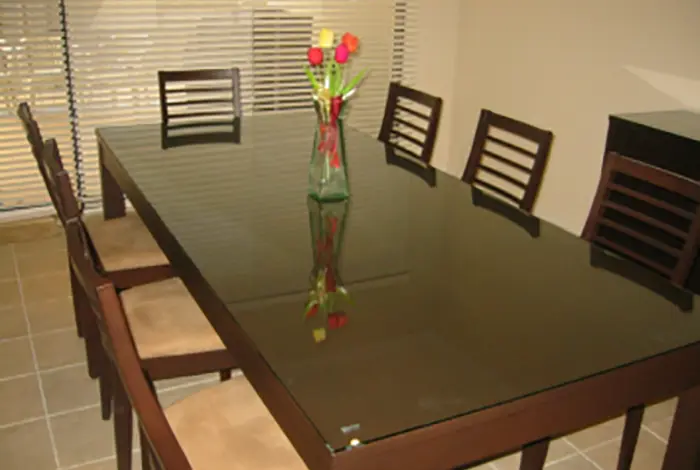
(328, 175)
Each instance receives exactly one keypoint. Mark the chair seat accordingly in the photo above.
(228, 427)
(166, 321)
(124, 243)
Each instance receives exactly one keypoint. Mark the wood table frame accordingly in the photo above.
(527, 423)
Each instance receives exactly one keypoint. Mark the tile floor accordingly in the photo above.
(49, 412)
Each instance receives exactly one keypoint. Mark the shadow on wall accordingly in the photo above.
(684, 90)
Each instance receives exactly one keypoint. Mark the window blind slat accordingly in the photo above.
(116, 47)
(31, 69)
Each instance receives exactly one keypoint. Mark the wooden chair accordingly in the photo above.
(411, 122)
(647, 215)
(171, 333)
(652, 217)
(124, 246)
(187, 96)
(510, 169)
(239, 432)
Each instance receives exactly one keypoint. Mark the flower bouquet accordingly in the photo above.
(328, 179)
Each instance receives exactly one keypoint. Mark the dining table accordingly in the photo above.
(465, 337)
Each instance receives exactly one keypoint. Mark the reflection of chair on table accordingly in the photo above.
(200, 106)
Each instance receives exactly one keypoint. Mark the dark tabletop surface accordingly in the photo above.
(681, 122)
(455, 308)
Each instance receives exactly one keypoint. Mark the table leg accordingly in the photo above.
(113, 205)
(534, 455)
(630, 435)
(683, 451)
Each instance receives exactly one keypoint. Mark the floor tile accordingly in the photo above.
(9, 294)
(557, 450)
(49, 315)
(649, 453)
(50, 286)
(69, 388)
(24, 231)
(16, 357)
(660, 411)
(42, 263)
(44, 245)
(12, 322)
(575, 462)
(111, 464)
(597, 434)
(7, 263)
(26, 447)
(20, 399)
(82, 437)
(58, 349)
(661, 428)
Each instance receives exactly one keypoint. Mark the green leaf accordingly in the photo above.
(312, 77)
(310, 304)
(343, 292)
(354, 82)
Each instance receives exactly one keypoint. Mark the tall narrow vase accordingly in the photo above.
(328, 175)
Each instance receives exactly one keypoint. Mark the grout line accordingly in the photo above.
(100, 460)
(654, 433)
(72, 365)
(44, 402)
(40, 334)
(54, 331)
(18, 376)
(561, 459)
(20, 423)
(89, 462)
(583, 454)
(13, 338)
(57, 414)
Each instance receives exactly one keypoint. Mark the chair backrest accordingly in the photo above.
(119, 346)
(509, 162)
(31, 128)
(58, 183)
(646, 214)
(411, 122)
(191, 98)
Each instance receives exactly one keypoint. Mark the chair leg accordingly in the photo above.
(145, 450)
(123, 426)
(106, 390)
(78, 298)
(93, 346)
(225, 375)
(633, 424)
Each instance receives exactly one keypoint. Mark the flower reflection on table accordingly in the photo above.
(328, 298)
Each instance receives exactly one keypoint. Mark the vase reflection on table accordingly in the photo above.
(328, 298)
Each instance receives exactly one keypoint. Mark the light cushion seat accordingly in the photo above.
(228, 427)
(124, 243)
(166, 321)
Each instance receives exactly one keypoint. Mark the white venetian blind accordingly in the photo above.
(117, 47)
(32, 70)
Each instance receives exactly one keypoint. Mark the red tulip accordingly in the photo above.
(315, 55)
(342, 53)
(337, 320)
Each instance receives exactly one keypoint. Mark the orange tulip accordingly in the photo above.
(350, 41)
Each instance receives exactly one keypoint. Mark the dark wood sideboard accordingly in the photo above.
(667, 139)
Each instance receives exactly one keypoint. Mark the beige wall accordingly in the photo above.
(438, 22)
(565, 65)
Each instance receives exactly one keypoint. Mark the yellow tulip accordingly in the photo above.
(325, 39)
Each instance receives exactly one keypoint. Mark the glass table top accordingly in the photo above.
(453, 308)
